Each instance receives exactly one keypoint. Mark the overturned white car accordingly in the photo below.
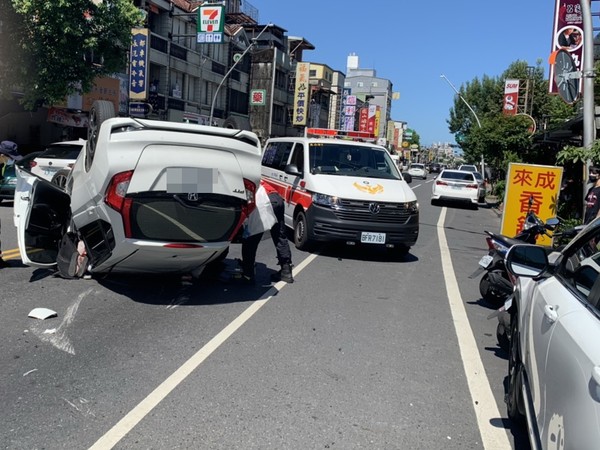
(144, 196)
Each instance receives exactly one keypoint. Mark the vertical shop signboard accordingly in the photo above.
(530, 186)
(301, 94)
(138, 64)
(567, 34)
(210, 24)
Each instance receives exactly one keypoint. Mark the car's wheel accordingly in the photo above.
(301, 239)
(100, 111)
(514, 396)
(60, 178)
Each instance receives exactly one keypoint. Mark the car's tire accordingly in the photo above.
(100, 111)
(301, 239)
(514, 396)
(61, 177)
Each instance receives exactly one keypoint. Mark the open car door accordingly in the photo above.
(42, 213)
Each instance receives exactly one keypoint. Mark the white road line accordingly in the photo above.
(127, 423)
(484, 402)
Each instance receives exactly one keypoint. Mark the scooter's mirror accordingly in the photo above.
(552, 222)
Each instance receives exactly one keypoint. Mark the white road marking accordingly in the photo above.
(483, 399)
(127, 423)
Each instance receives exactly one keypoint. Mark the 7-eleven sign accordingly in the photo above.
(211, 22)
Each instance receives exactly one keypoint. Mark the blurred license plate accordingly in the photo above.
(372, 238)
(485, 261)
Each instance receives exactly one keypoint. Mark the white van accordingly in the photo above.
(341, 190)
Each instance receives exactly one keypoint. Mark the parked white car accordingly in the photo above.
(417, 170)
(457, 186)
(554, 357)
(144, 196)
(57, 157)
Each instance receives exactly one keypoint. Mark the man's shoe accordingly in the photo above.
(286, 273)
(3, 263)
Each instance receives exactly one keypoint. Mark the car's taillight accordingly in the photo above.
(250, 195)
(246, 208)
(32, 164)
(441, 183)
(472, 186)
(115, 198)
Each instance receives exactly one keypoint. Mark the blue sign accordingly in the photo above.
(138, 87)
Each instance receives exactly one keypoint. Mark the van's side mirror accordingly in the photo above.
(292, 169)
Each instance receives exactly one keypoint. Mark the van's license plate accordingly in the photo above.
(372, 238)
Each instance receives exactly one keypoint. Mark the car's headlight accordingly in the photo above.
(412, 207)
(326, 200)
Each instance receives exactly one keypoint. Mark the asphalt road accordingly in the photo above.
(364, 350)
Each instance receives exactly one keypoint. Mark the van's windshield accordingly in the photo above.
(351, 160)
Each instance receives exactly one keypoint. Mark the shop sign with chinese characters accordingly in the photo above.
(258, 97)
(530, 186)
(138, 63)
(301, 94)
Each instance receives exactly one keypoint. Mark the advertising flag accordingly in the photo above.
(567, 34)
(511, 97)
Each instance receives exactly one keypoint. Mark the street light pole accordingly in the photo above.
(214, 100)
(462, 98)
(471, 109)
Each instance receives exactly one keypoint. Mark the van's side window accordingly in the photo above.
(298, 157)
(276, 155)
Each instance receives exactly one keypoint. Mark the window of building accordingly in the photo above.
(312, 73)
(360, 84)
(374, 83)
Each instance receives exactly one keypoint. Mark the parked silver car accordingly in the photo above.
(554, 358)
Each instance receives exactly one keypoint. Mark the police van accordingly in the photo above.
(336, 188)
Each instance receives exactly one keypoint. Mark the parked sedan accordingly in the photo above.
(417, 170)
(143, 196)
(455, 185)
(554, 357)
(56, 157)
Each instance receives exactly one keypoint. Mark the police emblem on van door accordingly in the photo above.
(365, 186)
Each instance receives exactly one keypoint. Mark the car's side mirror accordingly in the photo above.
(292, 169)
(526, 260)
(407, 177)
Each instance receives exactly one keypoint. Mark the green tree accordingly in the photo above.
(502, 139)
(49, 49)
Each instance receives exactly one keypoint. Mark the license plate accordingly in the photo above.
(372, 238)
(50, 171)
(486, 261)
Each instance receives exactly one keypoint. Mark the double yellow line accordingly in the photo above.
(11, 254)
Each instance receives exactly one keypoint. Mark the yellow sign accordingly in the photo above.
(525, 182)
(301, 94)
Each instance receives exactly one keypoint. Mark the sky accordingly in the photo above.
(412, 43)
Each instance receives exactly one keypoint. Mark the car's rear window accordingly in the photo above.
(67, 151)
(183, 218)
(458, 176)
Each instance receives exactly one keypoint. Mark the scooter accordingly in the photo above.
(504, 312)
(495, 285)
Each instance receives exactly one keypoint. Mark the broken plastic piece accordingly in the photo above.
(42, 313)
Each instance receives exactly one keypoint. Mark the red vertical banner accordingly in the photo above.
(363, 121)
(511, 97)
(567, 34)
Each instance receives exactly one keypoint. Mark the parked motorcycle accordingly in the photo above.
(495, 285)
(503, 313)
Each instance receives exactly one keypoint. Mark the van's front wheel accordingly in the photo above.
(301, 239)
